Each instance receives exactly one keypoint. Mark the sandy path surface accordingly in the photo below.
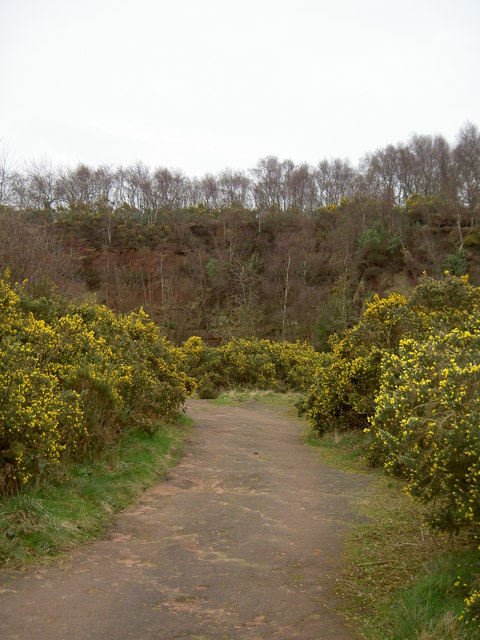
(243, 541)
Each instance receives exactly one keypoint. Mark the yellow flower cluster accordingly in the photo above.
(426, 424)
(74, 379)
(342, 395)
(250, 362)
(409, 374)
(471, 612)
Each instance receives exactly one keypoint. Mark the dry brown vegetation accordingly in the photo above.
(281, 251)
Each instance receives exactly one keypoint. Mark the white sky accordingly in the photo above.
(202, 85)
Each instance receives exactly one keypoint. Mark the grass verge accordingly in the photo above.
(399, 578)
(45, 520)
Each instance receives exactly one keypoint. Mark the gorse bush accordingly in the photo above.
(266, 364)
(347, 380)
(426, 425)
(409, 373)
(249, 363)
(202, 362)
(70, 383)
(74, 377)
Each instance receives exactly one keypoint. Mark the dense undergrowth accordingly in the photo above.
(73, 378)
(407, 374)
(400, 579)
(248, 363)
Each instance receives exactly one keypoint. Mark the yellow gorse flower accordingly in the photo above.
(76, 381)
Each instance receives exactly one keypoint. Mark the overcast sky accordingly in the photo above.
(202, 85)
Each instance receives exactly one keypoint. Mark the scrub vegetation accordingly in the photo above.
(406, 378)
(280, 251)
(354, 291)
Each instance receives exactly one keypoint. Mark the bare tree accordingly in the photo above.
(75, 186)
(33, 253)
(333, 180)
(41, 185)
(6, 175)
(245, 276)
(234, 188)
(169, 188)
(285, 298)
(18, 196)
(192, 192)
(269, 183)
(140, 194)
(103, 185)
(209, 191)
(467, 160)
(408, 181)
(300, 188)
(425, 165)
(381, 174)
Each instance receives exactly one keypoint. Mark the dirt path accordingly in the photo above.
(242, 542)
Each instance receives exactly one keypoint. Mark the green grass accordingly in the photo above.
(430, 608)
(269, 398)
(345, 450)
(398, 581)
(43, 521)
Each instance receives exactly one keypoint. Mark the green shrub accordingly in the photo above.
(249, 363)
(72, 381)
(346, 382)
(426, 425)
(411, 370)
(456, 263)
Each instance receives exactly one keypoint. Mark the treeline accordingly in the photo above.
(280, 252)
(426, 166)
